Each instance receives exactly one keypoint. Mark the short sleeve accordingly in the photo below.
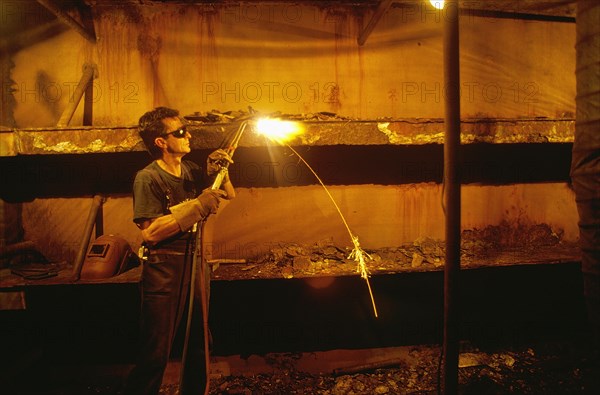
(148, 200)
(197, 176)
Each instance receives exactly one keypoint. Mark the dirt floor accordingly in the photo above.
(551, 367)
(555, 366)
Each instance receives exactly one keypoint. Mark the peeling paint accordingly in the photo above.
(63, 146)
(383, 127)
(310, 139)
(95, 145)
(7, 144)
(421, 138)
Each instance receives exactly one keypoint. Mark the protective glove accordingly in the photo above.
(210, 200)
(216, 160)
(188, 213)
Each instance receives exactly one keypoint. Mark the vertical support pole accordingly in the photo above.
(99, 225)
(452, 196)
(88, 104)
(97, 202)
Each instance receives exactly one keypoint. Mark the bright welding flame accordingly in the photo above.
(279, 130)
(439, 4)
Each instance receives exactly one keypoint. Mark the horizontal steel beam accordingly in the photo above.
(96, 139)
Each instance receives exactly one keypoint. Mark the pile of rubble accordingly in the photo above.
(508, 235)
(503, 244)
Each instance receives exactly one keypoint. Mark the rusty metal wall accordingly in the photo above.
(586, 150)
(199, 58)
(296, 59)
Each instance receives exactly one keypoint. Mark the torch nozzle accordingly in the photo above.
(223, 164)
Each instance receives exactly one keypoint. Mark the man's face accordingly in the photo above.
(172, 144)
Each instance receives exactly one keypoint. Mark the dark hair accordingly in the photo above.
(151, 127)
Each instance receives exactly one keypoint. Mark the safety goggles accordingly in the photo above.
(178, 134)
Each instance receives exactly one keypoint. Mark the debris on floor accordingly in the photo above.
(546, 368)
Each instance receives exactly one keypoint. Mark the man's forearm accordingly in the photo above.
(188, 213)
(183, 216)
(229, 189)
(160, 229)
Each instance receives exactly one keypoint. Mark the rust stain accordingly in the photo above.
(334, 94)
(149, 47)
(206, 43)
(114, 53)
(361, 71)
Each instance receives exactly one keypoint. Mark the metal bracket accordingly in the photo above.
(85, 86)
(68, 20)
(382, 8)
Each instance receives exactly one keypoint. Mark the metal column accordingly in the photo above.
(452, 196)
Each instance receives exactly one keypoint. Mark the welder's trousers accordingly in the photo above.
(165, 288)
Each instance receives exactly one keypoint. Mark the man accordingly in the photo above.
(170, 198)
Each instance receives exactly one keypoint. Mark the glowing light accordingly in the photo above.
(439, 4)
(279, 130)
(320, 282)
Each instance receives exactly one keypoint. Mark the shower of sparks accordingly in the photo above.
(284, 130)
(359, 255)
